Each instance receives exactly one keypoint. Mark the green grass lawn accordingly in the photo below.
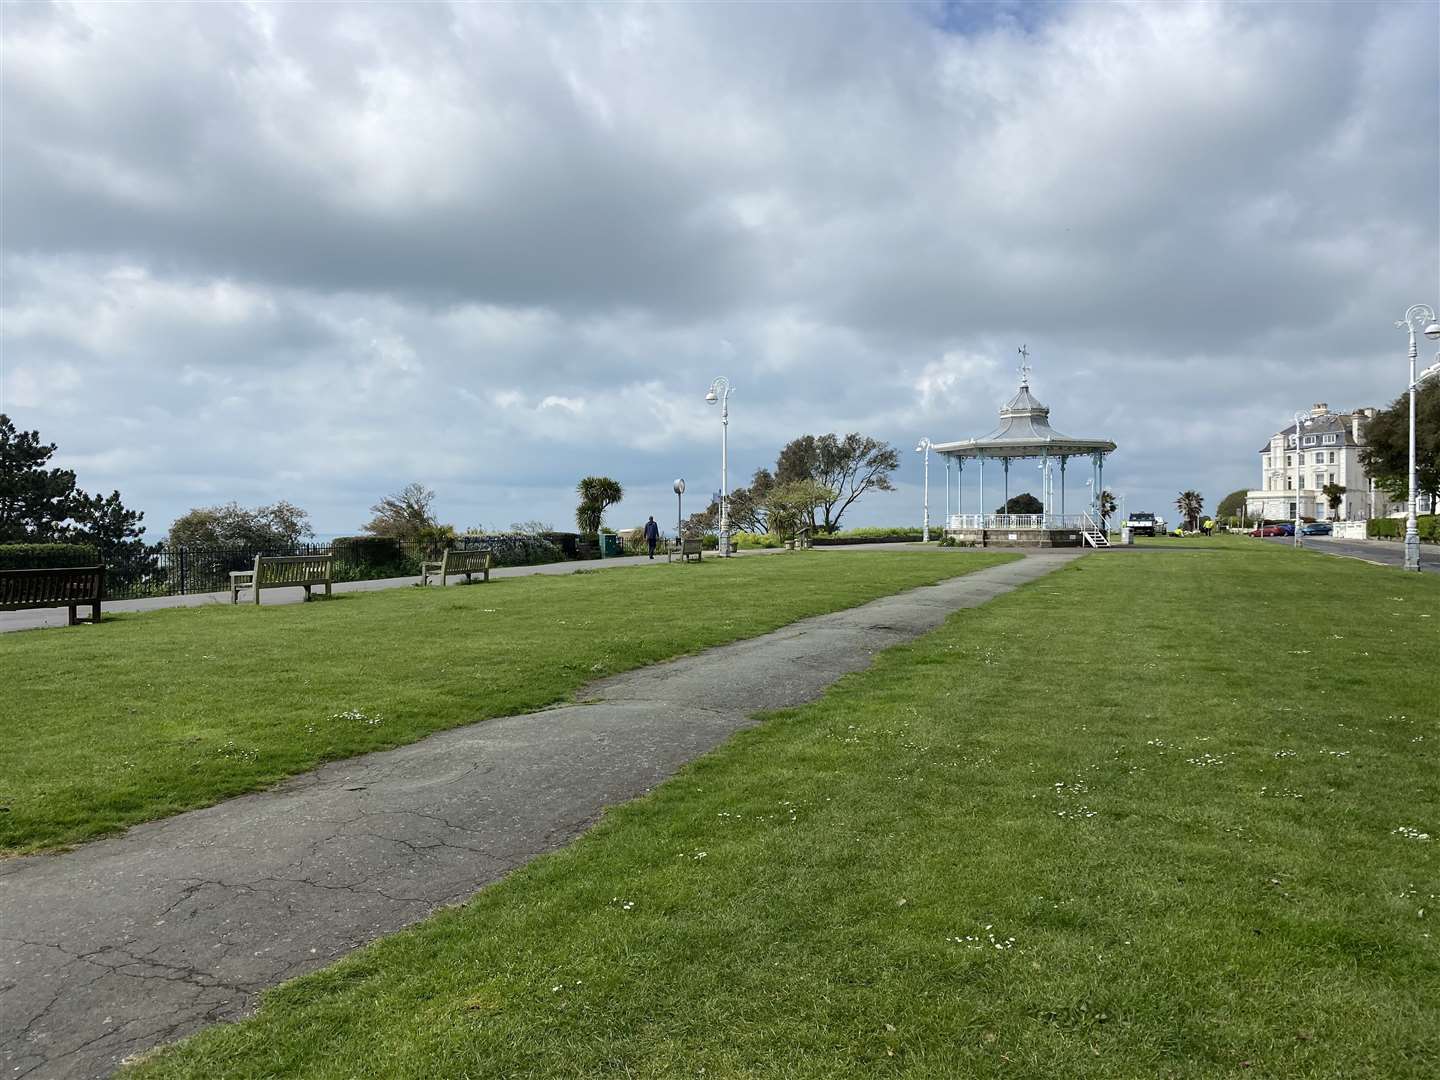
(1158, 814)
(146, 715)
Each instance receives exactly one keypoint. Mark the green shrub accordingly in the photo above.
(36, 556)
(1427, 525)
(876, 532)
(363, 551)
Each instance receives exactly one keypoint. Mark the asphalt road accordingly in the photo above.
(127, 943)
(1383, 552)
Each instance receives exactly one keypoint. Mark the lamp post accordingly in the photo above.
(1421, 315)
(720, 392)
(924, 447)
(1299, 477)
(679, 488)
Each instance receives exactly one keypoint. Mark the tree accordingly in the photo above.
(43, 505)
(1233, 505)
(406, 515)
(789, 506)
(1022, 504)
(279, 526)
(747, 509)
(1386, 453)
(597, 494)
(1191, 504)
(1334, 495)
(1108, 507)
(847, 467)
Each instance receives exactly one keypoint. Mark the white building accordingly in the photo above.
(1328, 453)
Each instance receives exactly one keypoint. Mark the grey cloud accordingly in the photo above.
(1199, 216)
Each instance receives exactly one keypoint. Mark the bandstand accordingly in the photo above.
(1025, 435)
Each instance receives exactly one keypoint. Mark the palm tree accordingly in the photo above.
(1191, 504)
(1108, 506)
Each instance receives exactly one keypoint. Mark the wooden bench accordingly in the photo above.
(71, 587)
(686, 549)
(283, 572)
(453, 562)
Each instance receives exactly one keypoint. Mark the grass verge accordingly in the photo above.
(1159, 814)
(147, 715)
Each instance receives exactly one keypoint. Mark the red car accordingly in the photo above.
(1275, 530)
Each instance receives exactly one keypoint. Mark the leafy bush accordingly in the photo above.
(886, 531)
(515, 549)
(362, 551)
(757, 540)
(1428, 526)
(36, 556)
(405, 564)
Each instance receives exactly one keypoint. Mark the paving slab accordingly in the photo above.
(123, 944)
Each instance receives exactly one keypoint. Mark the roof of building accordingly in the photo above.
(1327, 423)
(1024, 431)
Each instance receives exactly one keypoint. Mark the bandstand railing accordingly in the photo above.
(1015, 521)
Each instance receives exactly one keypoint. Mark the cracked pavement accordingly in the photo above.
(127, 943)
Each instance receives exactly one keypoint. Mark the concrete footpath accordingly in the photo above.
(123, 944)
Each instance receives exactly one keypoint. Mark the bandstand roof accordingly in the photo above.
(1024, 431)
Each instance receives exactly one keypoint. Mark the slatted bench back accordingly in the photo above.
(292, 570)
(691, 547)
(460, 562)
(50, 586)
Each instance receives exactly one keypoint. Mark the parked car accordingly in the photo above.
(1283, 529)
(1315, 528)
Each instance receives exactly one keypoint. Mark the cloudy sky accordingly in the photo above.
(317, 251)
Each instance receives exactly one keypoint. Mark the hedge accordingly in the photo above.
(35, 556)
(1428, 525)
(367, 550)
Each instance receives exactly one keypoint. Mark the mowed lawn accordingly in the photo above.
(146, 715)
(1163, 813)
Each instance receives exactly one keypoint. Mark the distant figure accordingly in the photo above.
(652, 535)
(1208, 527)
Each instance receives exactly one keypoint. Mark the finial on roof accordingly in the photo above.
(1024, 352)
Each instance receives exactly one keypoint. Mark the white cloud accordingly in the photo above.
(316, 252)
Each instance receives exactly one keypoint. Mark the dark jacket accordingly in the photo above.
(652, 532)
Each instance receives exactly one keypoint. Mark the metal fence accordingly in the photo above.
(162, 571)
(134, 572)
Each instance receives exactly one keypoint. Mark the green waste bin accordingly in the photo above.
(610, 546)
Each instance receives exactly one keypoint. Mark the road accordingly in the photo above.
(1384, 552)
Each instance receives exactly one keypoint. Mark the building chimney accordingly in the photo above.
(1319, 409)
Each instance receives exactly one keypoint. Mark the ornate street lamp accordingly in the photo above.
(924, 448)
(720, 393)
(679, 488)
(1299, 477)
(1418, 315)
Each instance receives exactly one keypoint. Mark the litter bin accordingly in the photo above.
(1125, 537)
(609, 545)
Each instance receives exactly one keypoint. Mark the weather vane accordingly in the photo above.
(1024, 352)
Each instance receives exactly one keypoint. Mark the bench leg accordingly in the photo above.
(307, 592)
(73, 621)
(486, 573)
(95, 612)
(327, 590)
(255, 588)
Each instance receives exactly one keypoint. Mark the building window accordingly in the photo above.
(1330, 440)
(1311, 440)
(1332, 478)
(1332, 457)
(1287, 461)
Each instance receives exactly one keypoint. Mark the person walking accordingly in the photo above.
(652, 535)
